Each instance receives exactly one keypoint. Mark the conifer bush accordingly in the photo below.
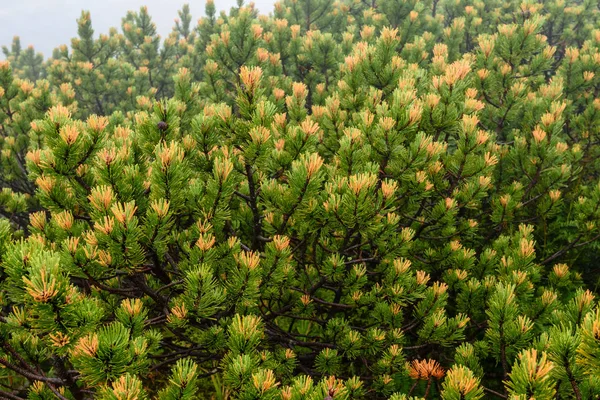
(386, 199)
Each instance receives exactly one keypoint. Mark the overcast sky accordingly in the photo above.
(46, 24)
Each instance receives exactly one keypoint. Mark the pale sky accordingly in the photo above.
(46, 24)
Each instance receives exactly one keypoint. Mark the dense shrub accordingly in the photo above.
(342, 200)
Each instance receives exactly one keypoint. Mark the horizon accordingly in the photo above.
(47, 24)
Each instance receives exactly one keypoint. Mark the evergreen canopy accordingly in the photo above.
(383, 199)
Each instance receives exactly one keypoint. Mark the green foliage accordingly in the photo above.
(387, 199)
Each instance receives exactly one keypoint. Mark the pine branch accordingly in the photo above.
(257, 217)
(493, 392)
(10, 396)
(29, 375)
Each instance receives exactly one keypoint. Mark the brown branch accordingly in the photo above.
(497, 394)
(30, 375)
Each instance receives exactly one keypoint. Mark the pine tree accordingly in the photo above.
(28, 63)
(344, 200)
